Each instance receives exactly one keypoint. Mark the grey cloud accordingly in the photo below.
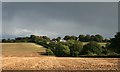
(59, 19)
(60, 0)
(0, 20)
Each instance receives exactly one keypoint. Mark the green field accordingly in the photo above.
(21, 49)
(101, 43)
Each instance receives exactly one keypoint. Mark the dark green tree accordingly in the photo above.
(46, 38)
(98, 38)
(58, 39)
(62, 50)
(32, 37)
(67, 37)
(92, 48)
(115, 43)
(75, 47)
(81, 38)
(73, 38)
(87, 38)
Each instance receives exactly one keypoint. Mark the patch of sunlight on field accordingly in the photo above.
(31, 47)
(101, 43)
(21, 48)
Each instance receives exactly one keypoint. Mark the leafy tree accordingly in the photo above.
(46, 38)
(92, 47)
(62, 50)
(3, 40)
(52, 46)
(58, 39)
(73, 38)
(67, 37)
(75, 46)
(115, 43)
(81, 38)
(87, 38)
(106, 40)
(92, 38)
(53, 39)
(34, 38)
(99, 38)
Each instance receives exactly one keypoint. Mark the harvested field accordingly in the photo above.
(41, 62)
(59, 63)
(22, 50)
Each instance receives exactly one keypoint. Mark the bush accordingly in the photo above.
(49, 52)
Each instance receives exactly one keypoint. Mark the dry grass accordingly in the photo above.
(21, 49)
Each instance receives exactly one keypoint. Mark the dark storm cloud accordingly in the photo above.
(59, 19)
(119, 17)
(0, 20)
(60, 0)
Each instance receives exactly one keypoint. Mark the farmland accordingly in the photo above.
(21, 49)
(101, 43)
(28, 56)
(25, 49)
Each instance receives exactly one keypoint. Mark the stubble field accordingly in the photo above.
(28, 56)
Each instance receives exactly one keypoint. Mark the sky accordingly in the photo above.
(0, 19)
(60, 0)
(55, 19)
(119, 17)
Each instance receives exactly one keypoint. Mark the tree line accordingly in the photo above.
(82, 38)
(72, 46)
